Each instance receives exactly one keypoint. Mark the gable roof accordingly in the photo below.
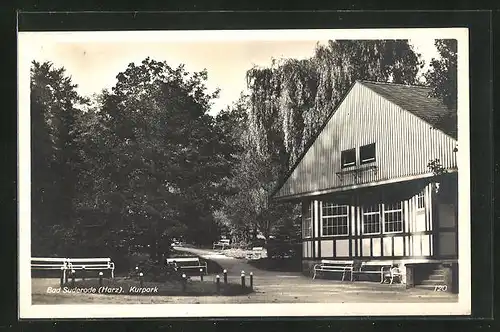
(412, 98)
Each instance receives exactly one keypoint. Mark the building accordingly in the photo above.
(367, 188)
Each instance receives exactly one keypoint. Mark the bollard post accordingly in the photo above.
(225, 276)
(184, 281)
(73, 276)
(141, 279)
(251, 280)
(62, 276)
(100, 279)
(217, 283)
(136, 270)
(201, 274)
(243, 279)
(83, 273)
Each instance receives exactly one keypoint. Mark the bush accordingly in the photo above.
(155, 271)
(281, 249)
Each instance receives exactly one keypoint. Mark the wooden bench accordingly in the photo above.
(392, 274)
(222, 244)
(70, 264)
(334, 266)
(189, 264)
(256, 253)
(380, 268)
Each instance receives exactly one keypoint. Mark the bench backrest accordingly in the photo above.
(48, 259)
(183, 260)
(377, 263)
(332, 262)
(42, 263)
(89, 260)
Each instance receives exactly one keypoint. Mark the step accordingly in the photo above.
(432, 282)
(427, 287)
(436, 277)
(438, 271)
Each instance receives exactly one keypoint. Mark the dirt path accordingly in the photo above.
(234, 266)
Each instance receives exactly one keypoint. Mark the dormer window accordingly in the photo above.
(348, 158)
(367, 153)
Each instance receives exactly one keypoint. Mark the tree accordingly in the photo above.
(442, 74)
(55, 154)
(286, 105)
(167, 156)
(442, 77)
(291, 99)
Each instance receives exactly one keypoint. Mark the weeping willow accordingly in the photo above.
(291, 99)
(285, 106)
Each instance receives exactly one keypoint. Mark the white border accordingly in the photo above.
(27, 310)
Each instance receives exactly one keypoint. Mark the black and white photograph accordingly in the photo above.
(244, 173)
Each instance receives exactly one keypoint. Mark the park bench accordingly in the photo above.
(222, 244)
(256, 253)
(189, 264)
(378, 268)
(334, 266)
(72, 264)
(392, 274)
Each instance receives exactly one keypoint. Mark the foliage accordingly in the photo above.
(130, 168)
(442, 74)
(152, 271)
(286, 105)
(436, 167)
(134, 167)
(442, 77)
(291, 99)
(55, 155)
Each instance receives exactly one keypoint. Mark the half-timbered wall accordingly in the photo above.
(407, 228)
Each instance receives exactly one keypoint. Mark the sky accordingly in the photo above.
(93, 65)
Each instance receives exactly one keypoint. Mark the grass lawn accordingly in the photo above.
(125, 286)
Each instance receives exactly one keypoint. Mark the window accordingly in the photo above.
(367, 153)
(307, 221)
(393, 218)
(348, 158)
(334, 219)
(371, 219)
(421, 200)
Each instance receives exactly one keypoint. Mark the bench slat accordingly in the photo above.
(183, 259)
(89, 260)
(326, 261)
